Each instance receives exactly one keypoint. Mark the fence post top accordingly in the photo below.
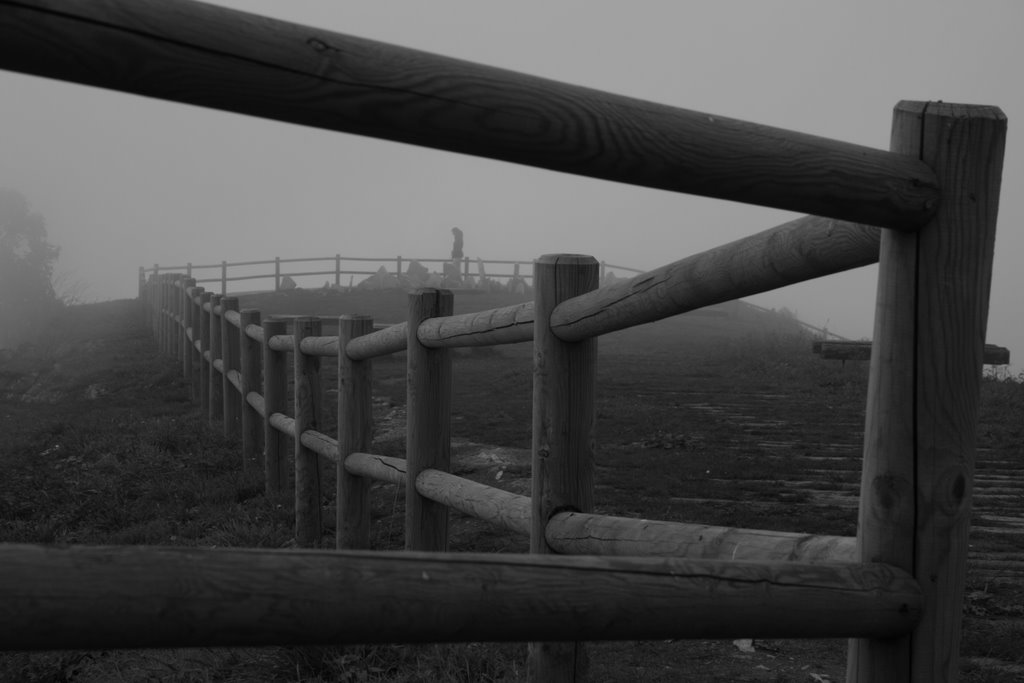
(567, 259)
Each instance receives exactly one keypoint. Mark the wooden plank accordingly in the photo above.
(564, 415)
(924, 384)
(800, 250)
(577, 533)
(215, 57)
(355, 434)
(183, 597)
(428, 421)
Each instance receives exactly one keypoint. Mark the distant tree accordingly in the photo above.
(27, 258)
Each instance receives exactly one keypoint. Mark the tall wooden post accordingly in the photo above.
(308, 523)
(930, 321)
(173, 327)
(251, 370)
(230, 344)
(277, 273)
(223, 278)
(428, 422)
(337, 270)
(355, 433)
(187, 331)
(205, 301)
(216, 354)
(563, 431)
(275, 400)
(161, 320)
(196, 313)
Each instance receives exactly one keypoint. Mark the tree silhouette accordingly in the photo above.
(27, 296)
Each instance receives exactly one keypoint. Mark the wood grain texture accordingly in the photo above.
(325, 347)
(275, 397)
(177, 597)
(308, 400)
(384, 468)
(502, 508)
(564, 416)
(215, 57)
(924, 384)
(250, 363)
(576, 533)
(216, 411)
(379, 343)
(204, 349)
(800, 250)
(188, 357)
(506, 325)
(231, 354)
(428, 422)
(355, 434)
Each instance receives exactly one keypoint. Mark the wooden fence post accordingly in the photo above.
(196, 304)
(161, 314)
(277, 273)
(216, 353)
(337, 270)
(205, 299)
(308, 404)
(275, 400)
(428, 422)
(355, 433)
(563, 431)
(230, 343)
(924, 383)
(398, 266)
(187, 333)
(250, 366)
(223, 278)
(178, 294)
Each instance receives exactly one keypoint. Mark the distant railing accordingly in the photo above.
(454, 273)
(897, 589)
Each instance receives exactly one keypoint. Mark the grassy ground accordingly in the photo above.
(724, 418)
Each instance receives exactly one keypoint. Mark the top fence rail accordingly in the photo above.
(265, 67)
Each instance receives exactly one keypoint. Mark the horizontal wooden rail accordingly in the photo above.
(502, 508)
(379, 343)
(861, 350)
(254, 332)
(180, 597)
(216, 57)
(508, 325)
(282, 342)
(283, 424)
(577, 533)
(800, 250)
(233, 317)
(320, 443)
(378, 467)
(320, 346)
(257, 402)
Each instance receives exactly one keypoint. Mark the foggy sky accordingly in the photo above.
(125, 181)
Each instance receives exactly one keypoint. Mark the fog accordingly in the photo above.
(125, 181)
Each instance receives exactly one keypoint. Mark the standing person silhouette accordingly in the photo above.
(457, 246)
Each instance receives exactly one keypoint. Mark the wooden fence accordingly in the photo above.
(896, 589)
(353, 266)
